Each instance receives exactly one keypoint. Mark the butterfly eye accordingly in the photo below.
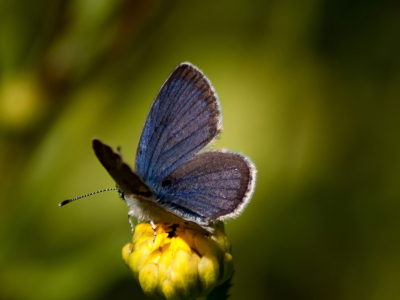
(121, 194)
(166, 182)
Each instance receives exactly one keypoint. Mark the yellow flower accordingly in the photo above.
(181, 263)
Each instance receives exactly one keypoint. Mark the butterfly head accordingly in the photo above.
(121, 193)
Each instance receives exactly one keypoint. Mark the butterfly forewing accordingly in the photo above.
(126, 179)
(184, 118)
(214, 185)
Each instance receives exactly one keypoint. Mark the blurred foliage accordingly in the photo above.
(309, 90)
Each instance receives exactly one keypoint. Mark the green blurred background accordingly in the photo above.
(310, 91)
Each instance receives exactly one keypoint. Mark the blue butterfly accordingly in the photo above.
(172, 181)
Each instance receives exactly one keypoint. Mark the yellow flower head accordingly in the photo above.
(181, 263)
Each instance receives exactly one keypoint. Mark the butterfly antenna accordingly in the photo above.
(87, 195)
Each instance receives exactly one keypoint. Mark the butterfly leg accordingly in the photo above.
(130, 222)
(154, 228)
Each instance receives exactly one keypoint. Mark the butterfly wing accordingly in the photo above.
(214, 185)
(126, 179)
(184, 118)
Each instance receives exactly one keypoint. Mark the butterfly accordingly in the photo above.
(174, 181)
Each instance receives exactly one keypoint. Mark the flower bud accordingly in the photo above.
(180, 263)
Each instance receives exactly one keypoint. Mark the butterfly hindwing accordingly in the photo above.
(184, 118)
(215, 185)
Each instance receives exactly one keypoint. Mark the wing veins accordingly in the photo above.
(171, 126)
(180, 92)
(187, 123)
(173, 165)
(156, 122)
(208, 173)
(177, 97)
(181, 141)
(206, 203)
